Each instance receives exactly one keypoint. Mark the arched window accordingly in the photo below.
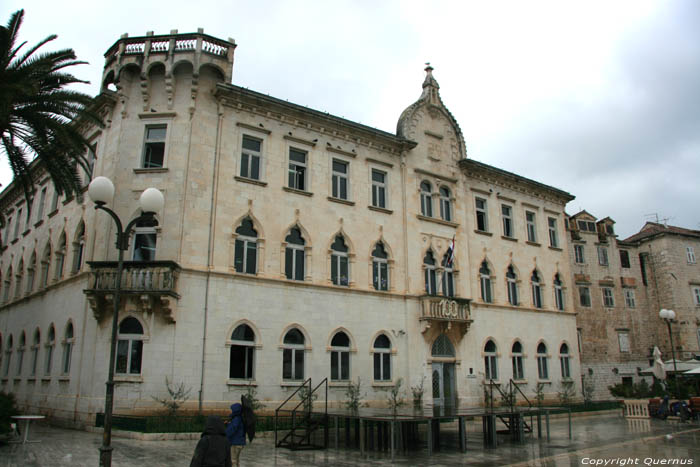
(145, 240)
(564, 360)
(517, 359)
(50, 344)
(45, 264)
(542, 369)
(18, 279)
(340, 357)
(445, 204)
(429, 267)
(242, 353)
(69, 340)
(294, 255)
(485, 282)
(20, 349)
(31, 271)
(380, 267)
(78, 248)
(512, 284)
(340, 270)
(60, 257)
(442, 347)
(246, 248)
(36, 345)
(490, 361)
(7, 286)
(382, 358)
(129, 347)
(426, 200)
(293, 356)
(558, 293)
(536, 290)
(8, 357)
(448, 276)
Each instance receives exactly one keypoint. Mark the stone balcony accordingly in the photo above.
(447, 312)
(150, 286)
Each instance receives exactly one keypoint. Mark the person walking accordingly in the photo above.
(213, 448)
(235, 432)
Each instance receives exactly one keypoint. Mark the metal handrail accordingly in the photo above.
(293, 394)
(513, 384)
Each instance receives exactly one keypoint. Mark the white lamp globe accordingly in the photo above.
(152, 200)
(667, 314)
(101, 190)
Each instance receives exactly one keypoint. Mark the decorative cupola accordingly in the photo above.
(429, 115)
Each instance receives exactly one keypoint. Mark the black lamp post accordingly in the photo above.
(668, 316)
(101, 191)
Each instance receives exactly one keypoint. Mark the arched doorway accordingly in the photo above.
(443, 366)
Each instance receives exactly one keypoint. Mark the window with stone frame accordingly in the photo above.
(78, 248)
(251, 158)
(339, 179)
(8, 357)
(485, 283)
(429, 273)
(49, 348)
(579, 255)
(45, 264)
(623, 339)
(696, 295)
(379, 189)
(20, 353)
(242, 353)
(625, 259)
(482, 223)
(536, 290)
(245, 257)
(294, 255)
(608, 297)
(602, 255)
(445, 204)
(553, 232)
(68, 343)
(531, 226)
(630, 301)
(542, 367)
(36, 346)
(381, 351)
(145, 239)
(564, 360)
(380, 267)
(558, 293)
(129, 347)
(154, 146)
(490, 361)
(60, 257)
(426, 199)
(517, 361)
(340, 264)
(507, 217)
(584, 294)
(512, 286)
(448, 276)
(340, 357)
(297, 169)
(293, 355)
(690, 254)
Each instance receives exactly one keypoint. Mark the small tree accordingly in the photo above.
(252, 395)
(178, 396)
(395, 399)
(354, 395)
(418, 392)
(539, 393)
(308, 398)
(566, 392)
(587, 389)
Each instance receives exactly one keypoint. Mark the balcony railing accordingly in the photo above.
(446, 310)
(149, 285)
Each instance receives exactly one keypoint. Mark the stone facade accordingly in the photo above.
(293, 244)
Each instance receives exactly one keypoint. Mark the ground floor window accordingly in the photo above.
(293, 356)
(242, 352)
(129, 347)
(382, 358)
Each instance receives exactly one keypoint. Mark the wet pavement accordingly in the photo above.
(595, 440)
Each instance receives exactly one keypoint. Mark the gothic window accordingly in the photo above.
(558, 293)
(8, 357)
(485, 283)
(542, 370)
(340, 270)
(511, 282)
(50, 344)
(68, 341)
(45, 265)
(382, 358)
(60, 257)
(20, 353)
(294, 255)
(380, 268)
(340, 357)
(448, 276)
(246, 248)
(78, 248)
(293, 356)
(31, 271)
(442, 347)
(36, 345)
(430, 278)
(564, 360)
(536, 290)
(490, 361)
(517, 360)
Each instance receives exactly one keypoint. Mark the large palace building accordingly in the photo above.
(293, 244)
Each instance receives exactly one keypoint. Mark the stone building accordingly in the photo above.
(620, 287)
(293, 244)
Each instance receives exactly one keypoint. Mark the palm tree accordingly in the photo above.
(39, 117)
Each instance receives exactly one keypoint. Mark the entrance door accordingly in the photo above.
(444, 384)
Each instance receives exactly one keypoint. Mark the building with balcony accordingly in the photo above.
(293, 244)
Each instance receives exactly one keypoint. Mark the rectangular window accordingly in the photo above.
(518, 372)
(340, 365)
(481, 216)
(542, 370)
(602, 256)
(378, 189)
(608, 297)
(696, 295)
(490, 367)
(54, 201)
(584, 294)
(625, 259)
(154, 146)
(553, 237)
(340, 179)
(507, 215)
(623, 339)
(531, 228)
(690, 253)
(250, 158)
(297, 169)
(579, 255)
(294, 262)
(40, 207)
(629, 298)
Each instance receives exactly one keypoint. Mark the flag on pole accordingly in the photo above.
(451, 253)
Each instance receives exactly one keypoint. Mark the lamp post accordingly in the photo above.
(668, 316)
(101, 191)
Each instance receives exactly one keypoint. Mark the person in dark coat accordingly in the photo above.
(213, 448)
(235, 432)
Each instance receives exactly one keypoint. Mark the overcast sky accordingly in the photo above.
(601, 99)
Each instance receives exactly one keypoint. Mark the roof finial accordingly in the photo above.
(429, 80)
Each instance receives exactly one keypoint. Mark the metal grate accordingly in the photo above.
(442, 347)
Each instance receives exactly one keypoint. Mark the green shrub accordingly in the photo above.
(8, 408)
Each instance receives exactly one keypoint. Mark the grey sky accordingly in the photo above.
(601, 99)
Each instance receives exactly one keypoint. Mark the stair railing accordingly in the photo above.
(277, 410)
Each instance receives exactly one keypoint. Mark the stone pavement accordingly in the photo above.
(595, 440)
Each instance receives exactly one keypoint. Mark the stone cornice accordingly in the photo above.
(309, 119)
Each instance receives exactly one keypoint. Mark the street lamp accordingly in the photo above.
(101, 191)
(668, 316)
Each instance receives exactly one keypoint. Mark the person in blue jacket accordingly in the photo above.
(235, 432)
